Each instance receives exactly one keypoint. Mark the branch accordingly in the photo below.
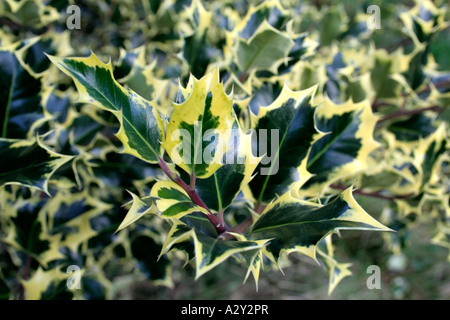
(15, 26)
(373, 194)
(26, 275)
(219, 225)
(243, 76)
(402, 113)
(241, 227)
(438, 85)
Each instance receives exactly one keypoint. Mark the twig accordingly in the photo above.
(193, 180)
(373, 194)
(401, 113)
(244, 225)
(241, 227)
(219, 225)
(26, 274)
(243, 76)
(439, 84)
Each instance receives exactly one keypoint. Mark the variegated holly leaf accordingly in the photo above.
(196, 51)
(424, 20)
(31, 13)
(252, 258)
(412, 129)
(139, 208)
(56, 104)
(266, 49)
(344, 149)
(336, 270)
(333, 24)
(219, 190)
(127, 60)
(285, 132)
(416, 157)
(141, 130)
(70, 216)
(172, 201)
(295, 225)
(270, 11)
(384, 83)
(257, 40)
(47, 285)
(26, 231)
(20, 95)
(199, 128)
(28, 162)
(254, 262)
(33, 52)
(428, 152)
(303, 47)
(143, 81)
(209, 251)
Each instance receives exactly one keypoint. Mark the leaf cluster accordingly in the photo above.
(216, 130)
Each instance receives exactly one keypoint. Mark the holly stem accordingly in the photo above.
(245, 224)
(373, 194)
(402, 113)
(219, 225)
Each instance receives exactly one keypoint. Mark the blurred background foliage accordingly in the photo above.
(152, 44)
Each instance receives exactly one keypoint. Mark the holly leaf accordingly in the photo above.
(20, 95)
(29, 163)
(386, 67)
(31, 13)
(424, 20)
(289, 126)
(296, 225)
(336, 270)
(219, 190)
(209, 251)
(264, 50)
(196, 50)
(344, 149)
(172, 201)
(203, 124)
(270, 11)
(74, 219)
(26, 229)
(143, 81)
(141, 128)
(47, 285)
(412, 129)
(139, 208)
(427, 153)
(252, 258)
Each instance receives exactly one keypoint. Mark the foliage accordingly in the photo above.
(216, 130)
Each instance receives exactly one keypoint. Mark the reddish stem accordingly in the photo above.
(372, 194)
(402, 113)
(243, 76)
(219, 225)
(241, 227)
